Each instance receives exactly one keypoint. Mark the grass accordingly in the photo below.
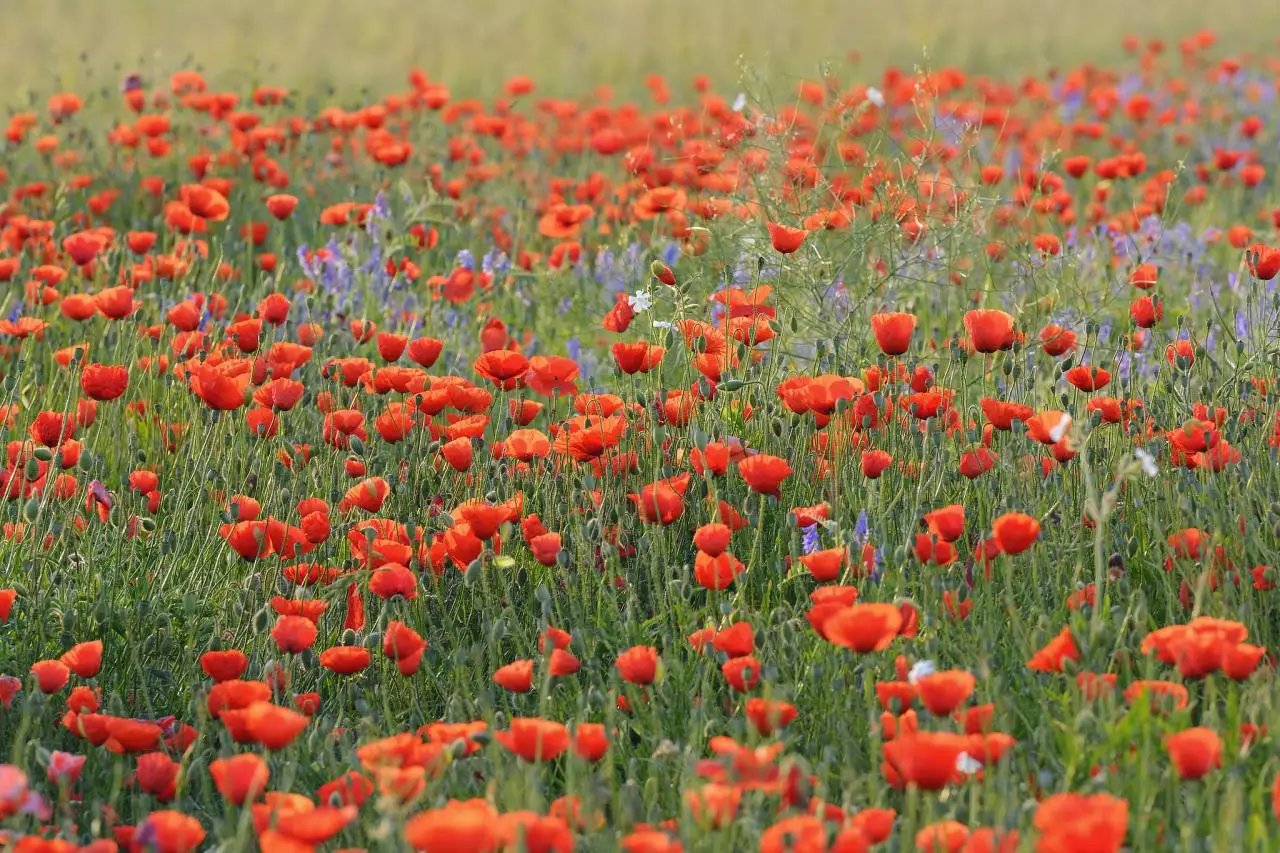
(272, 583)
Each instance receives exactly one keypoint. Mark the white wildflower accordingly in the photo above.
(739, 102)
(919, 670)
(640, 301)
(967, 764)
(662, 324)
(666, 749)
(875, 96)
(1060, 428)
(1148, 462)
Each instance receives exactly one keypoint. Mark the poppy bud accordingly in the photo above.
(663, 273)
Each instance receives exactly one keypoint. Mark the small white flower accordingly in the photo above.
(967, 764)
(640, 301)
(666, 749)
(739, 102)
(662, 324)
(919, 670)
(1060, 428)
(875, 96)
(1148, 463)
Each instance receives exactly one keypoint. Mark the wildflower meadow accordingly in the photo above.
(885, 461)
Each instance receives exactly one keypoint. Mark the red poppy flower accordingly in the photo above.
(946, 523)
(764, 473)
(51, 675)
(863, 627)
(1144, 276)
(294, 634)
(1048, 427)
(1015, 532)
(638, 665)
(393, 579)
(738, 640)
(241, 778)
(1088, 378)
(874, 463)
(84, 659)
(534, 739)
(104, 381)
(1146, 311)
(1070, 823)
(516, 676)
(786, 239)
(944, 836)
(1194, 752)
(943, 692)
(658, 503)
(345, 660)
(990, 330)
(469, 825)
(1056, 341)
(826, 565)
(893, 331)
(925, 759)
(590, 741)
(767, 716)
(218, 389)
(1181, 353)
(712, 539)
(716, 572)
(742, 673)
(173, 831)
(266, 724)
(1263, 261)
(281, 206)
(1060, 649)
(504, 368)
(224, 665)
(205, 202)
(639, 357)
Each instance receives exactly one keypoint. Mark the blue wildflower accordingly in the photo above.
(671, 253)
(495, 263)
(812, 539)
(861, 527)
(310, 266)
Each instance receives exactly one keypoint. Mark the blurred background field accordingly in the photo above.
(569, 46)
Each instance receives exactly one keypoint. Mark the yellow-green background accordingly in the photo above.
(571, 45)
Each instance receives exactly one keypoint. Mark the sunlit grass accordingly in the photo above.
(573, 45)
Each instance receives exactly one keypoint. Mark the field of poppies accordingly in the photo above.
(885, 463)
